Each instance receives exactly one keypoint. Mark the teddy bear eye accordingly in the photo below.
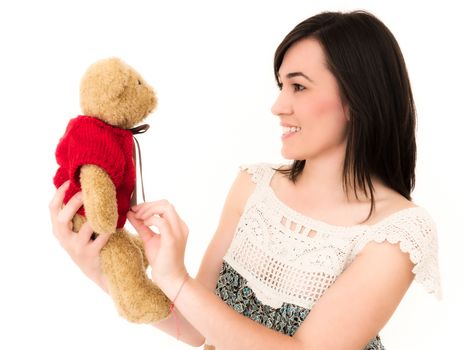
(139, 82)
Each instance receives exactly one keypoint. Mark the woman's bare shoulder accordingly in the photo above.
(389, 203)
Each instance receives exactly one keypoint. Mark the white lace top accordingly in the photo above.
(287, 257)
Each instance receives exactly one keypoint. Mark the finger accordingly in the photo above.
(164, 209)
(136, 207)
(143, 231)
(64, 235)
(57, 200)
(165, 230)
(70, 209)
(185, 228)
(170, 214)
(144, 210)
(85, 233)
(100, 242)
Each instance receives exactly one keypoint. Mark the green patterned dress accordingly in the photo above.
(233, 290)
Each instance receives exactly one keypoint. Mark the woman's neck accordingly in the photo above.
(322, 179)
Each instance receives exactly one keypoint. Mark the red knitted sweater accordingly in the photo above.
(88, 140)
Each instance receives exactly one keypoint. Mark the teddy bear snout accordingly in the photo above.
(152, 103)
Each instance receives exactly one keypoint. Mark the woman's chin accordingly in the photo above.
(288, 155)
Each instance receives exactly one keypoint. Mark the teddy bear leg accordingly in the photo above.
(139, 243)
(136, 297)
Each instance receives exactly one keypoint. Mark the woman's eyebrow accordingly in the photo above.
(298, 74)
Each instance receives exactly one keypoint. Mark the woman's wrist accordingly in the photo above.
(173, 287)
(174, 298)
(185, 278)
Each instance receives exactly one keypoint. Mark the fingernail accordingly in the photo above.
(79, 196)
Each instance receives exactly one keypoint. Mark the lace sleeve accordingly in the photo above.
(416, 234)
(260, 172)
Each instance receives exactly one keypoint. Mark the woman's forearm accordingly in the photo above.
(186, 332)
(222, 326)
(225, 328)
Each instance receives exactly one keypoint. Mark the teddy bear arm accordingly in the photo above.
(99, 199)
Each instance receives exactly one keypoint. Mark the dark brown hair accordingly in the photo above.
(370, 70)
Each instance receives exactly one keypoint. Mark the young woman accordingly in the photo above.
(316, 254)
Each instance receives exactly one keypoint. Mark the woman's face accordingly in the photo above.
(309, 106)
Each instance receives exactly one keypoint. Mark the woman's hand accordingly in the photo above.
(82, 249)
(165, 250)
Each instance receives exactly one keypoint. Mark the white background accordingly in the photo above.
(211, 64)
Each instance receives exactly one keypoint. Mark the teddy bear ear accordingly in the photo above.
(104, 81)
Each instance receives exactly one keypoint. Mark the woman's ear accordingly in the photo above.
(347, 112)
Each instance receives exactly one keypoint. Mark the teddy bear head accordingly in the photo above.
(115, 93)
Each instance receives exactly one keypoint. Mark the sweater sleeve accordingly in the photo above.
(416, 233)
(90, 144)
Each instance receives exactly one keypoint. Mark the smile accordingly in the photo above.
(290, 129)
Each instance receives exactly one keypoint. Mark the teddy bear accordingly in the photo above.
(96, 153)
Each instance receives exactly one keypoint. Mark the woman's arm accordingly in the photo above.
(85, 252)
(211, 264)
(224, 327)
(349, 314)
(361, 301)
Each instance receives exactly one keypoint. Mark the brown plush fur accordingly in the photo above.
(115, 93)
(99, 198)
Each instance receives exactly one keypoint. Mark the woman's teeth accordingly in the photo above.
(290, 129)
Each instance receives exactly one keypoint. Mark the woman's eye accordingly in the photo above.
(298, 87)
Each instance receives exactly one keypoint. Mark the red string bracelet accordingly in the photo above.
(172, 305)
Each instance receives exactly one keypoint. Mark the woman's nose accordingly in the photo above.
(281, 106)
